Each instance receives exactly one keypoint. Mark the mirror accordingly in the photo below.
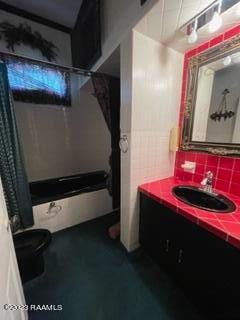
(212, 108)
(217, 112)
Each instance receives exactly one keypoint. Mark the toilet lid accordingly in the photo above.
(31, 242)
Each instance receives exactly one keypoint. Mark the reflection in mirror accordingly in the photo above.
(217, 111)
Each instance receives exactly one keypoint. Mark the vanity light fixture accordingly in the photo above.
(193, 36)
(227, 61)
(216, 21)
(211, 17)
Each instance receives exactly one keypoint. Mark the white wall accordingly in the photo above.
(60, 141)
(63, 141)
(203, 101)
(118, 18)
(60, 39)
(151, 85)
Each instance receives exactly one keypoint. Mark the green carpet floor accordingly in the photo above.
(94, 278)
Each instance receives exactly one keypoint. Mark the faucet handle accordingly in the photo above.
(204, 182)
(209, 175)
(207, 182)
(208, 179)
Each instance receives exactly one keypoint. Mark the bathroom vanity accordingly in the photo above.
(192, 245)
(198, 247)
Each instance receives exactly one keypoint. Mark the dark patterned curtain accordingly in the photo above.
(107, 92)
(101, 92)
(12, 170)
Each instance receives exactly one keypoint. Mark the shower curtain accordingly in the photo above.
(107, 92)
(12, 169)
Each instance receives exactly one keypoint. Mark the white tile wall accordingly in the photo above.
(74, 210)
(155, 101)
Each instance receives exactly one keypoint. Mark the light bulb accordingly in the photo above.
(215, 23)
(192, 38)
(227, 61)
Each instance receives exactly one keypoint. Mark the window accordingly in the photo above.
(38, 83)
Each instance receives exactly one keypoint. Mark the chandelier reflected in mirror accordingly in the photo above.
(223, 112)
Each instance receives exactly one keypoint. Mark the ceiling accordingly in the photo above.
(161, 23)
(112, 65)
(164, 21)
(60, 11)
(166, 17)
(230, 18)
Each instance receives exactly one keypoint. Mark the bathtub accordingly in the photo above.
(58, 188)
(62, 202)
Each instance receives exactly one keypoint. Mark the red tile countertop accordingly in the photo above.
(223, 225)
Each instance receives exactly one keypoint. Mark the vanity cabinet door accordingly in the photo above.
(210, 273)
(160, 234)
(153, 233)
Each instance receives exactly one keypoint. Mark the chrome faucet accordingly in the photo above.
(207, 182)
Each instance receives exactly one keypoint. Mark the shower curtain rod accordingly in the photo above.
(53, 64)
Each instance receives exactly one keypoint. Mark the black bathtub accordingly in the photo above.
(64, 187)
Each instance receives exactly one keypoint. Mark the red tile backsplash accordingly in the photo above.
(236, 167)
(224, 174)
(212, 161)
(235, 189)
(222, 185)
(226, 169)
(226, 163)
(236, 177)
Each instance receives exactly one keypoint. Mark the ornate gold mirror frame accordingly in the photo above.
(226, 48)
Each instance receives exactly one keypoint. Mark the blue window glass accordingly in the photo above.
(39, 84)
(32, 77)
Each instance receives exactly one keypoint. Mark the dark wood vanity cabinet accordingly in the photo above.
(206, 267)
(160, 234)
